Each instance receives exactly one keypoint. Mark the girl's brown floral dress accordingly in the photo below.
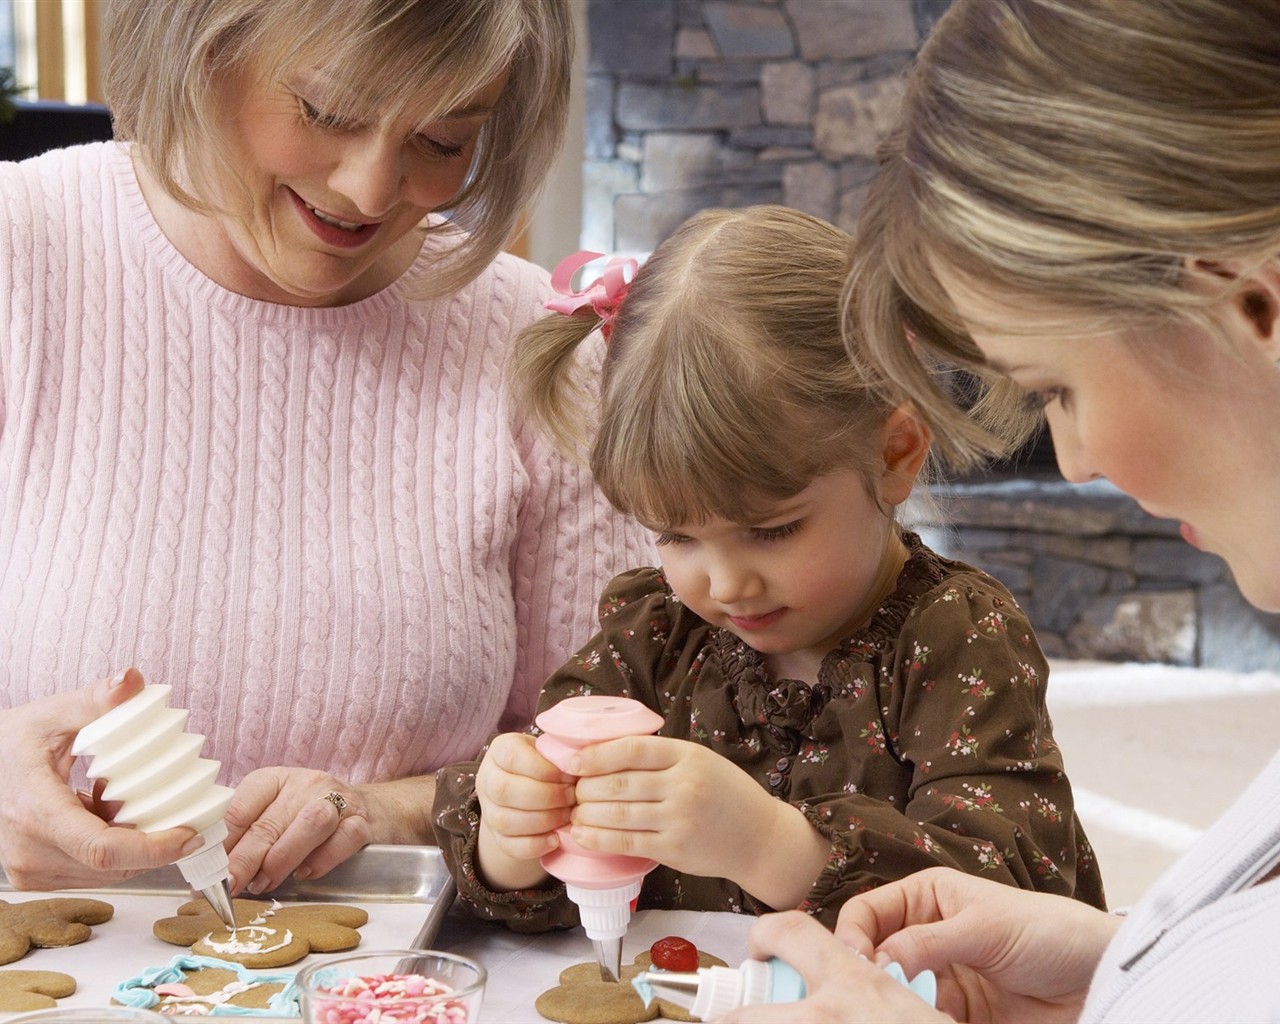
(925, 742)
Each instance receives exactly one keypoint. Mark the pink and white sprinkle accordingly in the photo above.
(386, 998)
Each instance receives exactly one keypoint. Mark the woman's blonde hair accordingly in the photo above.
(726, 386)
(1071, 158)
(166, 59)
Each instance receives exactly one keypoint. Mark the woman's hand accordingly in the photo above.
(1001, 955)
(523, 798)
(685, 806)
(842, 987)
(284, 821)
(50, 837)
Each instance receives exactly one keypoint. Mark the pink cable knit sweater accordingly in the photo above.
(318, 525)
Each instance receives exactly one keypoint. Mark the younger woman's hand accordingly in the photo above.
(841, 986)
(1001, 954)
(685, 806)
(523, 798)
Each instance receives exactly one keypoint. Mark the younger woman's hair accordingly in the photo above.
(166, 61)
(1071, 159)
(726, 386)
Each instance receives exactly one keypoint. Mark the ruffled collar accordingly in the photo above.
(792, 705)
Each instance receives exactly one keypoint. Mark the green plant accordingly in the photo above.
(8, 90)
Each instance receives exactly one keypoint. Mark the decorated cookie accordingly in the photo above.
(33, 990)
(47, 923)
(204, 986)
(583, 998)
(267, 934)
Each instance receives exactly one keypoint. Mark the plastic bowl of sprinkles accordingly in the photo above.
(398, 986)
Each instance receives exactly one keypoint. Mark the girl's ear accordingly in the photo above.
(905, 443)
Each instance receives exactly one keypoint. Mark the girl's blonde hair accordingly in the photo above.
(726, 386)
(166, 60)
(1070, 158)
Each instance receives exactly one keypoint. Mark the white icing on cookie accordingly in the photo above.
(259, 932)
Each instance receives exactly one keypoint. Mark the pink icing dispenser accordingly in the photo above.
(602, 885)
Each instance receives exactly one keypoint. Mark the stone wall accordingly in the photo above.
(697, 103)
(1097, 576)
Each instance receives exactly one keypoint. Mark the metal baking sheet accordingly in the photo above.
(406, 890)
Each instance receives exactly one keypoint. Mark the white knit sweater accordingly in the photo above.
(1204, 944)
(318, 525)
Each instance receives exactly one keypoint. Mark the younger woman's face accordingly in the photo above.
(331, 204)
(1194, 437)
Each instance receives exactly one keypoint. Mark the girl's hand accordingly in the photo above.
(685, 806)
(523, 798)
(1001, 954)
(50, 837)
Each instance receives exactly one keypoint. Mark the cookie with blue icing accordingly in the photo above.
(206, 986)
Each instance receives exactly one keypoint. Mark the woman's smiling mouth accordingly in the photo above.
(342, 234)
(346, 225)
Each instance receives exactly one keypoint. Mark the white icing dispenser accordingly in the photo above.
(154, 769)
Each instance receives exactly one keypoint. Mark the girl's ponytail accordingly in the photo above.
(550, 385)
(549, 381)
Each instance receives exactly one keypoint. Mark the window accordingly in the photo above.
(53, 48)
(6, 34)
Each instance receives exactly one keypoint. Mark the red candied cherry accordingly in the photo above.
(674, 954)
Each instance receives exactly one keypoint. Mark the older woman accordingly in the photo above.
(1084, 197)
(256, 440)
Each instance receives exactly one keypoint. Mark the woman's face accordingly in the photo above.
(331, 204)
(1190, 431)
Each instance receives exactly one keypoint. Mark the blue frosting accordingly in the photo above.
(641, 984)
(137, 991)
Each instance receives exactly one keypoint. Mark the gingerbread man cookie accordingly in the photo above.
(33, 990)
(47, 923)
(202, 986)
(583, 998)
(267, 934)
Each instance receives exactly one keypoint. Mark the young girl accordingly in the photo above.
(843, 706)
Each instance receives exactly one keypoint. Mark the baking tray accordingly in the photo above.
(413, 878)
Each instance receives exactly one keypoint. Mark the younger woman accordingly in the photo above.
(843, 706)
(1084, 195)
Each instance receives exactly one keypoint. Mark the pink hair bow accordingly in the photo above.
(604, 294)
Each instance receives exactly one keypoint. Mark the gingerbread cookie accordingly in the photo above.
(47, 923)
(33, 990)
(583, 998)
(204, 986)
(267, 934)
